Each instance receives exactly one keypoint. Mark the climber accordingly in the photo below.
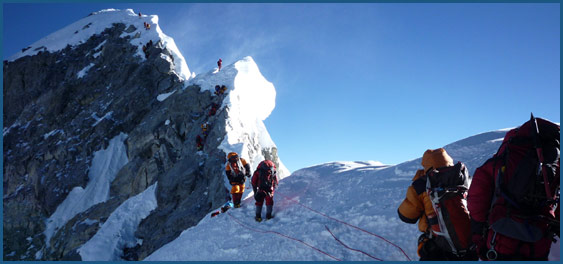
(146, 51)
(213, 110)
(223, 89)
(435, 200)
(205, 128)
(217, 89)
(264, 182)
(236, 170)
(513, 200)
(199, 142)
(139, 14)
(219, 62)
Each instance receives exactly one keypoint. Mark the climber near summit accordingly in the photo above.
(219, 63)
(236, 170)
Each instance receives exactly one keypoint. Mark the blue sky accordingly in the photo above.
(360, 82)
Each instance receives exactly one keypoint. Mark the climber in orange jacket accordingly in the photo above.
(236, 170)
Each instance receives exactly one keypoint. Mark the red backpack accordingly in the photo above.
(447, 187)
(267, 180)
(527, 182)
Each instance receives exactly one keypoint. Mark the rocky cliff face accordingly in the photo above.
(64, 107)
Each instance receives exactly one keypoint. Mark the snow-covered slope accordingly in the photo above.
(105, 165)
(79, 31)
(119, 230)
(334, 211)
(309, 206)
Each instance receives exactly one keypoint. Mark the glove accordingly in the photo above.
(480, 244)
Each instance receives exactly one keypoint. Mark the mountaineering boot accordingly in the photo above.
(237, 205)
(258, 217)
(269, 212)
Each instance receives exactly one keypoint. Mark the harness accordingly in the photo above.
(239, 168)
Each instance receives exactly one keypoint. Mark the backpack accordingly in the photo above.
(527, 182)
(446, 187)
(267, 181)
(238, 172)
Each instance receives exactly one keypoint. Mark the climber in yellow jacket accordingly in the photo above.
(236, 170)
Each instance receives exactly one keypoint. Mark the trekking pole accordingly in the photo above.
(539, 151)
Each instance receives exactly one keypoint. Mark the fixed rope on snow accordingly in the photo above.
(280, 234)
(353, 226)
(346, 246)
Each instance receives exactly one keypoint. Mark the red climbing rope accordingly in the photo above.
(346, 246)
(353, 226)
(280, 234)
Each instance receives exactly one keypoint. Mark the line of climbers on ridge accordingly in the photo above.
(264, 179)
(206, 126)
(146, 25)
(512, 210)
(146, 47)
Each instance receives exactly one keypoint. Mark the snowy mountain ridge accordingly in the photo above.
(109, 160)
(79, 31)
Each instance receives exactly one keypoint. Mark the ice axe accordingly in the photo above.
(539, 151)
